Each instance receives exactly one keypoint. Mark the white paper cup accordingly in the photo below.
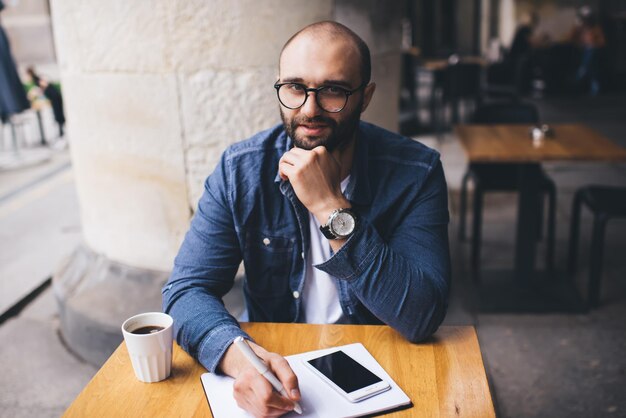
(151, 354)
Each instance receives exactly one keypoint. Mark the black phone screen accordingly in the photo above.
(344, 371)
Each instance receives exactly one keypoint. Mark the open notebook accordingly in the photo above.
(318, 398)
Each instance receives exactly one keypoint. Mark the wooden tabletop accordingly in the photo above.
(512, 144)
(444, 377)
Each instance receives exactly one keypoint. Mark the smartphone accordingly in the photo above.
(347, 376)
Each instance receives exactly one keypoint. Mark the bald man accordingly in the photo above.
(336, 221)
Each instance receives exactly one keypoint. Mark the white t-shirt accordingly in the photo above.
(320, 296)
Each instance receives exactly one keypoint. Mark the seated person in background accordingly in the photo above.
(588, 35)
(521, 60)
(336, 220)
(52, 94)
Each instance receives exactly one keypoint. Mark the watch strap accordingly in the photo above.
(327, 232)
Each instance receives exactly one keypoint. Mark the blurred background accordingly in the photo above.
(113, 113)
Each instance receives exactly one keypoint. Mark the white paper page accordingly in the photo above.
(318, 398)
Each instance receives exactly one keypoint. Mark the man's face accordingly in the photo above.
(317, 62)
(310, 132)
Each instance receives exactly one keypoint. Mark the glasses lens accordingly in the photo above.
(292, 95)
(332, 99)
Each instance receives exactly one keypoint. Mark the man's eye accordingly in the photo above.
(295, 87)
(334, 90)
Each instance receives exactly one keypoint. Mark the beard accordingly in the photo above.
(340, 136)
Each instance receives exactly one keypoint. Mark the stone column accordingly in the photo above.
(154, 92)
(506, 24)
(380, 25)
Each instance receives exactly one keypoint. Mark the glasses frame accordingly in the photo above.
(308, 90)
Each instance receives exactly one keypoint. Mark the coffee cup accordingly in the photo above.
(148, 338)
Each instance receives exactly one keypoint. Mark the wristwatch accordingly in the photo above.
(341, 224)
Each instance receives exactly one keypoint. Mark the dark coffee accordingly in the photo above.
(148, 329)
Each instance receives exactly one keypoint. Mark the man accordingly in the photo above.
(520, 57)
(383, 258)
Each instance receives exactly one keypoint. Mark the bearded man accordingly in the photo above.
(336, 221)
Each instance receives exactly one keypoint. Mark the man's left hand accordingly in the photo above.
(315, 176)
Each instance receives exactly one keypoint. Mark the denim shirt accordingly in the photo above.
(394, 269)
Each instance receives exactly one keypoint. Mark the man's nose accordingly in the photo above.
(310, 108)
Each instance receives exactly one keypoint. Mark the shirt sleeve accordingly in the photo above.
(204, 271)
(404, 281)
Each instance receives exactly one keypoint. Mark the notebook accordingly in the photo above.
(318, 398)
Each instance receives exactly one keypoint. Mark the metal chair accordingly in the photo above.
(605, 202)
(491, 177)
(452, 85)
(462, 82)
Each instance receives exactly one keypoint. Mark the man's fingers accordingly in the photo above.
(320, 149)
(255, 394)
(268, 400)
(287, 158)
(297, 161)
(294, 155)
(286, 165)
(285, 374)
(285, 170)
(322, 152)
(298, 151)
(303, 156)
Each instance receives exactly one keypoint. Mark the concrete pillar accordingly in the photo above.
(380, 25)
(506, 27)
(154, 92)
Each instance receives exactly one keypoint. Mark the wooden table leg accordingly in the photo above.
(527, 222)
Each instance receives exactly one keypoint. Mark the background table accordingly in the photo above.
(443, 377)
(512, 144)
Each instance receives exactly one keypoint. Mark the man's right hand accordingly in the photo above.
(252, 391)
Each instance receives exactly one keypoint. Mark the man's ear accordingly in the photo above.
(368, 92)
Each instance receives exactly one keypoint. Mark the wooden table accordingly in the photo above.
(512, 144)
(443, 377)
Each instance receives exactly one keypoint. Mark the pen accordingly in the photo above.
(264, 369)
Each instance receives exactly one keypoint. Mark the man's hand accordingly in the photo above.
(315, 176)
(252, 391)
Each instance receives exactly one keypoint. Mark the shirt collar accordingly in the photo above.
(287, 143)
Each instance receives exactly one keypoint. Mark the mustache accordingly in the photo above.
(299, 120)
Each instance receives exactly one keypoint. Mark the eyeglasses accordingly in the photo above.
(331, 99)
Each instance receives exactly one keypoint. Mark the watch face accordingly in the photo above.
(343, 224)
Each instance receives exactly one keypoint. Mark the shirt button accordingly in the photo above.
(266, 241)
(302, 255)
(296, 294)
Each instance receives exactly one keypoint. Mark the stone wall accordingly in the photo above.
(379, 24)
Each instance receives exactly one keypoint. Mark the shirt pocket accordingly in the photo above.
(268, 262)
